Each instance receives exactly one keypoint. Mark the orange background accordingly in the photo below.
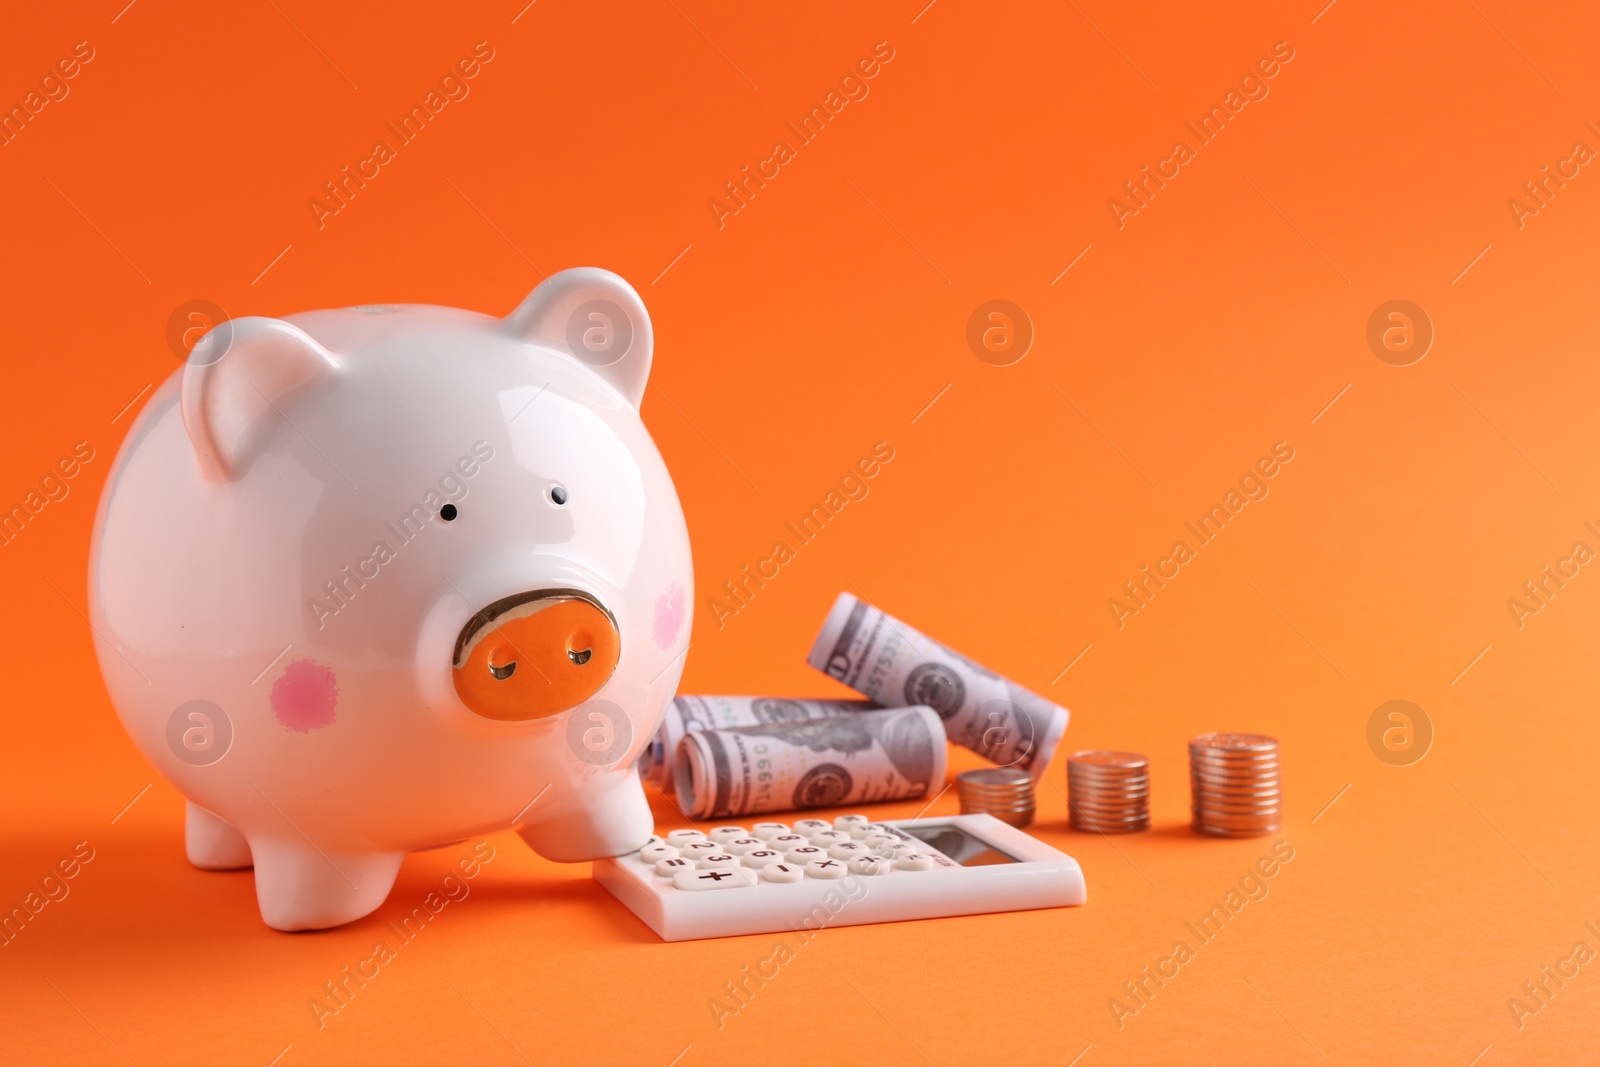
(824, 317)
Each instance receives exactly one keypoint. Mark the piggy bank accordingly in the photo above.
(381, 579)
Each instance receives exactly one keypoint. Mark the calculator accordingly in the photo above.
(774, 877)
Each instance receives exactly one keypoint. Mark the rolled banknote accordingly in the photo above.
(891, 664)
(889, 754)
(690, 714)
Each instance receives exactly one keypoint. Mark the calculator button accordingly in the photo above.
(901, 851)
(679, 838)
(784, 842)
(761, 857)
(847, 850)
(723, 834)
(871, 865)
(850, 822)
(915, 861)
(782, 872)
(768, 830)
(805, 854)
(740, 845)
(715, 878)
(699, 847)
(878, 842)
(807, 827)
(824, 838)
(658, 851)
(826, 869)
(670, 867)
(716, 859)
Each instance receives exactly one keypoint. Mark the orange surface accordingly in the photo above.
(823, 316)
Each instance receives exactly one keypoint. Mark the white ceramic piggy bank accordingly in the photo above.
(380, 579)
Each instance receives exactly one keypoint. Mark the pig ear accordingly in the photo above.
(237, 376)
(597, 318)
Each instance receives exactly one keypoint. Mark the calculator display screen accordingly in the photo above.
(959, 845)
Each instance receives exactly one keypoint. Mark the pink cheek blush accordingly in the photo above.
(304, 696)
(669, 616)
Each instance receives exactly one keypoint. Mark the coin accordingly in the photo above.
(1108, 792)
(1235, 784)
(1004, 792)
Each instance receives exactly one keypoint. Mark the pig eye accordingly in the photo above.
(558, 494)
(448, 513)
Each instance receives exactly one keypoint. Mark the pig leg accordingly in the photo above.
(609, 818)
(212, 843)
(301, 887)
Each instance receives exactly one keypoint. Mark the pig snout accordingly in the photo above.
(535, 654)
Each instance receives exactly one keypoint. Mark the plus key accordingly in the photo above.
(715, 878)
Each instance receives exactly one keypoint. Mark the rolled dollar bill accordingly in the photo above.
(889, 754)
(691, 714)
(891, 664)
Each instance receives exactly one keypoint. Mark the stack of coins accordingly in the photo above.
(1108, 792)
(1234, 784)
(1004, 792)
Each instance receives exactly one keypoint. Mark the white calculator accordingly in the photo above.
(814, 874)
